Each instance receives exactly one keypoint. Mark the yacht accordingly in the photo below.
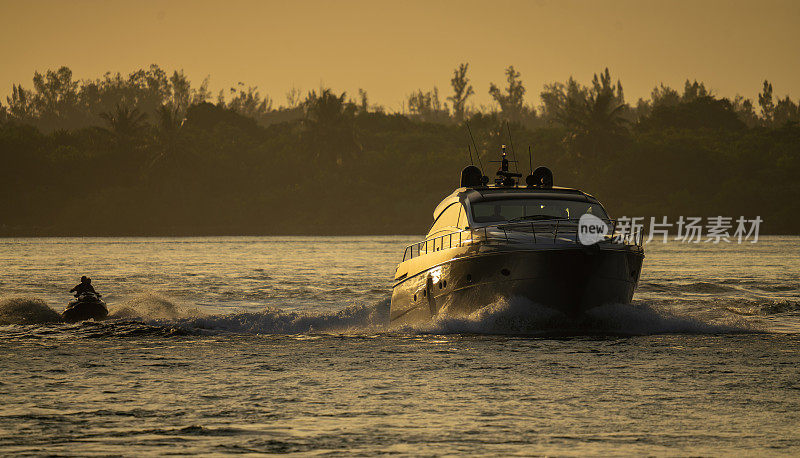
(555, 246)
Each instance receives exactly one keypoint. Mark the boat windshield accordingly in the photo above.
(496, 211)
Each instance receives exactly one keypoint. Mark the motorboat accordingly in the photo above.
(87, 306)
(554, 246)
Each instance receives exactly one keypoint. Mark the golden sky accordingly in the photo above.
(393, 48)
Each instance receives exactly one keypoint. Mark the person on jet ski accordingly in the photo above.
(85, 286)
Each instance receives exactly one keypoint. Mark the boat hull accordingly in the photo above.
(82, 310)
(571, 280)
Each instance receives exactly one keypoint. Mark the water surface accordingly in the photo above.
(280, 344)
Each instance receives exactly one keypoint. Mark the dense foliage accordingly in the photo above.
(151, 154)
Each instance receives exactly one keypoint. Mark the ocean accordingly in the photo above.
(240, 345)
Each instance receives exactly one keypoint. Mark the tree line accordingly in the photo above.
(149, 153)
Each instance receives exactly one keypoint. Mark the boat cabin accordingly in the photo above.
(478, 207)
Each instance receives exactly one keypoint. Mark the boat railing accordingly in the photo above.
(551, 232)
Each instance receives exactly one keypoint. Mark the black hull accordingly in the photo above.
(83, 311)
(571, 280)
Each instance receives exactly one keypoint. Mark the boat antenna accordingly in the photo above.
(469, 150)
(477, 153)
(530, 159)
(513, 151)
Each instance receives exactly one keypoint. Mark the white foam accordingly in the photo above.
(26, 310)
(153, 306)
(514, 316)
(355, 318)
(520, 316)
(647, 318)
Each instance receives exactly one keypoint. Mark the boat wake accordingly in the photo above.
(151, 306)
(22, 310)
(355, 319)
(151, 314)
(521, 317)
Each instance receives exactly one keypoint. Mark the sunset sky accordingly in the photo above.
(393, 48)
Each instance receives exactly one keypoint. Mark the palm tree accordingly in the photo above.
(604, 115)
(169, 123)
(331, 121)
(124, 123)
(327, 108)
(169, 119)
(593, 118)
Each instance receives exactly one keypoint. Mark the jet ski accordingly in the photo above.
(88, 306)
